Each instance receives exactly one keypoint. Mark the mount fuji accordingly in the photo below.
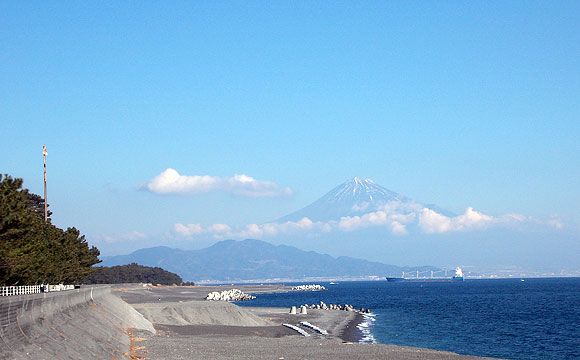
(354, 197)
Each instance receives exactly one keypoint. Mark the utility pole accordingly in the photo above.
(45, 204)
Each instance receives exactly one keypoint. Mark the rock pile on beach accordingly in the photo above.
(345, 307)
(312, 287)
(229, 295)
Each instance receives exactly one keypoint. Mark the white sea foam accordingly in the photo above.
(365, 328)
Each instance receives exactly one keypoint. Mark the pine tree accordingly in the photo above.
(33, 251)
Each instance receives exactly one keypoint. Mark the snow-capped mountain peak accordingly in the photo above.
(357, 189)
(353, 197)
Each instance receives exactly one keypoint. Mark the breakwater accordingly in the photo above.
(345, 307)
(312, 287)
(77, 324)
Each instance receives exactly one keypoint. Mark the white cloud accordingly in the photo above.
(431, 221)
(251, 231)
(171, 182)
(351, 223)
(257, 231)
(188, 230)
(398, 228)
(197, 229)
(394, 216)
(289, 227)
(360, 207)
(394, 222)
(219, 228)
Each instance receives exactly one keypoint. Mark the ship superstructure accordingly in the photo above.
(418, 278)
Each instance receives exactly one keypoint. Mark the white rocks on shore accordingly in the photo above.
(313, 287)
(229, 295)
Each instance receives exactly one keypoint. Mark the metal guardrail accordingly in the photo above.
(32, 289)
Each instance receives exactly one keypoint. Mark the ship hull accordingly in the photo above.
(453, 279)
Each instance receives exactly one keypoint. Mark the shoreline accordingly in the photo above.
(346, 329)
(189, 327)
(351, 332)
(341, 324)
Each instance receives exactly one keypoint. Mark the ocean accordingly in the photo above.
(502, 318)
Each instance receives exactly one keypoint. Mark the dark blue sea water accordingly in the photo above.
(503, 318)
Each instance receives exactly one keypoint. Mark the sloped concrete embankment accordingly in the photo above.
(87, 323)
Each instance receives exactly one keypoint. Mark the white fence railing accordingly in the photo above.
(32, 289)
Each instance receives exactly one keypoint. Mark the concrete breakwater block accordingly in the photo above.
(323, 306)
(313, 327)
(297, 329)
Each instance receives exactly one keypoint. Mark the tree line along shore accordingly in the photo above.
(34, 251)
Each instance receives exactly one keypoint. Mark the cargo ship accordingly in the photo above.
(458, 277)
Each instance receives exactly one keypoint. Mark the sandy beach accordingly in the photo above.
(188, 327)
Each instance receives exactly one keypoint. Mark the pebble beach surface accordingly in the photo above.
(189, 327)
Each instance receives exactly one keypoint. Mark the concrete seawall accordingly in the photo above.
(87, 323)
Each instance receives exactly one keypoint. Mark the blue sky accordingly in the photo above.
(471, 104)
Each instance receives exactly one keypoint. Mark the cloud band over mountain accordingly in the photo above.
(398, 219)
(361, 204)
(171, 182)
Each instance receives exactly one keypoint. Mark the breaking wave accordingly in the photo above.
(365, 328)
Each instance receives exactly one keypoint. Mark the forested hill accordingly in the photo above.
(33, 251)
(132, 273)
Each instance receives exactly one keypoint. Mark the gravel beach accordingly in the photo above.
(189, 327)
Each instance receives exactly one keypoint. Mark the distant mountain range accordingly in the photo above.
(364, 220)
(352, 198)
(231, 260)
